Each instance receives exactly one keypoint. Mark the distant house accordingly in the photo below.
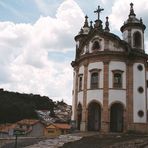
(32, 128)
(6, 130)
(56, 129)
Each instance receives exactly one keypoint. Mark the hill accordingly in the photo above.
(16, 106)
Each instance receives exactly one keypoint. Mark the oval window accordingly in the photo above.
(140, 113)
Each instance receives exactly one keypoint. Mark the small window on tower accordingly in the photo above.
(96, 45)
(137, 39)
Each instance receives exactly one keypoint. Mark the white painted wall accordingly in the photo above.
(86, 30)
(95, 95)
(125, 36)
(139, 99)
(73, 96)
(81, 71)
(96, 65)
(80, 97)
(117, 95)
(77, 43)
(147, 88)
(116, 65)
(100, 40)
(113, 46)
(80, 94)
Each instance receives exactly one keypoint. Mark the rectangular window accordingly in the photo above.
(80, 82)
(50, 131)
(117, 80)
(94, 80)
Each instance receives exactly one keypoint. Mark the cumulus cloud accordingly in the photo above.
(121, 9)
(25, 53)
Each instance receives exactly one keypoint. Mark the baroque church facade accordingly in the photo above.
(110, 79)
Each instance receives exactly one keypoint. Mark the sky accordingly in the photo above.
(37, 41)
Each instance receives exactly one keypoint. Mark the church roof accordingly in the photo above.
(132, 20)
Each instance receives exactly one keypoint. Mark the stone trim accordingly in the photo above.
(129, 95)
(117, 89)
(95, 89)
(105, 113)
(95, 70)
(146, 101)
(76, 94)
(84, 110)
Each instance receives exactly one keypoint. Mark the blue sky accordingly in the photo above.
(28, 11)
(37, 41)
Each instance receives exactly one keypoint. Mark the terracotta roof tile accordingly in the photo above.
(28, 122)
(7, 127)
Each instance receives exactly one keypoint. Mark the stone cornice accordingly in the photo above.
(111, 56)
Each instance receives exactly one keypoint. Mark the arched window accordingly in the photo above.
(96, 45)
(137, 39)
(117, 79)
(94, 80)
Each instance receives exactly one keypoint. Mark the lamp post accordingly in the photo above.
(17, 132)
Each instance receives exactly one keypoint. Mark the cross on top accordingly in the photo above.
(99, 11)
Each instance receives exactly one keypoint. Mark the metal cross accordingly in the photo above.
(98, 11)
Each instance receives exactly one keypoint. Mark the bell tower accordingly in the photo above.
(133, 31)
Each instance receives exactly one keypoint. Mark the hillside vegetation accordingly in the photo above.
(16, 106)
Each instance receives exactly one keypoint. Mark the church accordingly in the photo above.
(110, 78)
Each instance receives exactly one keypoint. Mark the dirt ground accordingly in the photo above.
(22, 142)
(94, 140)
(110, 141)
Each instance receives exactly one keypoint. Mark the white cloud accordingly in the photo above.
(104, 1)
(120, 12)
(121, 9)
(25, 53)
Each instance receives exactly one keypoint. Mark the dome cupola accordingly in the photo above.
(133, 30)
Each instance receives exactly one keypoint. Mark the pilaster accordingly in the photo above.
(84, 108)
(76, 93)
(129, 96)
(105, 115)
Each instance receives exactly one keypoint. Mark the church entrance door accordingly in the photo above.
(116, 117)
(79, 115)
(94, 117)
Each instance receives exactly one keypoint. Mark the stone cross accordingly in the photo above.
(98, 11)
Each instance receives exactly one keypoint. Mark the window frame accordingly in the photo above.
(94, 44)
(137, 40)
(80, 82)
(118, 85)
(95, 85)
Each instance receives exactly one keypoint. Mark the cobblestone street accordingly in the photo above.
(55, 142)
(85, 140)
(94, 140)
